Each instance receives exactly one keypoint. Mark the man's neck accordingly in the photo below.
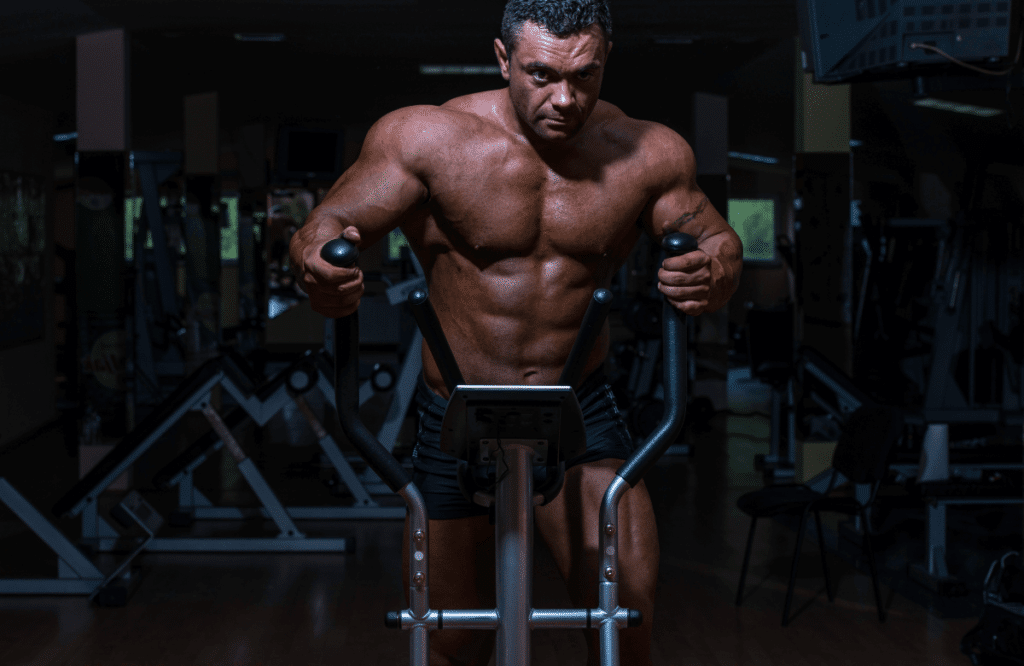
(549, 151)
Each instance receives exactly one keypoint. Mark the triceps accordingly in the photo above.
(685, 218)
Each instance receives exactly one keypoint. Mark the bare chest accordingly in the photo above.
(508, 203)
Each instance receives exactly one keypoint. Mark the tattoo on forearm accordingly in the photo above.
(677, 225)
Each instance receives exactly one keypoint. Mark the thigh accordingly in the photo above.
(461, 576)
(569, 525)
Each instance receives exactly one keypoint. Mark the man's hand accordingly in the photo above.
(686, 281)
(333, 292)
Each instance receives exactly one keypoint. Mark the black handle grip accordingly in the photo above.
(593, 321)
(678, 243)
(426, 319)
(340, 252)
(674, 377)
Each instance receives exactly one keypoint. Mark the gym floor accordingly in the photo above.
(312, 609)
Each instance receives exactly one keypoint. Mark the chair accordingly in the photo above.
(861, 455)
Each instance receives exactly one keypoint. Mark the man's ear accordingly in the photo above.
(503, 59)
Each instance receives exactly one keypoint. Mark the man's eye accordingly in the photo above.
(540, 76)
(586, 76)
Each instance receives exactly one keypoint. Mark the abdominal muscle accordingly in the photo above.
(513, 322)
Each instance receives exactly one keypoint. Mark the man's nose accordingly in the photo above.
(562, 95)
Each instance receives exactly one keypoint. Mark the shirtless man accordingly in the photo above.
(519, 203)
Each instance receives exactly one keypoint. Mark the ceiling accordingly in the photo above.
(346, 62)
(351, 60)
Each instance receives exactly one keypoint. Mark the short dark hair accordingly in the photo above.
(560, 17)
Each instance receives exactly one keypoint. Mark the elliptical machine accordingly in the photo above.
(513, 429)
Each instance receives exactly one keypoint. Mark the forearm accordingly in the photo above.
(318, 229)
(726, 253)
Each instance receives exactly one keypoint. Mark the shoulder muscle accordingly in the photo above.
(669, 157)
(408, 137)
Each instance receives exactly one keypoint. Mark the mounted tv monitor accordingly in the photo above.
(310, 154)
(851, 40)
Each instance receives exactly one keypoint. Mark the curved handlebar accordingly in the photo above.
(340, 252)
(673, 365)
(593, 322)
(426, 319)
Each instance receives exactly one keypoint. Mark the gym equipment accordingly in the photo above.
(405, 389)
(76, 573)
(942, 485)
(998, 638)
(260, 402)
(194, 394)
(973, 294)
(641, 389)
(965, 358)
(153, 360)
(516, 428)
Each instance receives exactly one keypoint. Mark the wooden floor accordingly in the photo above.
(308, 610)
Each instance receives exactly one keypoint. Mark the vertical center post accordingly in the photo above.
(513, 533)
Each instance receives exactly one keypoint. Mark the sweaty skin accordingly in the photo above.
(516, 220)
(519, 203)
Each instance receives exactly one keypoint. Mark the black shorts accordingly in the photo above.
(435, 471)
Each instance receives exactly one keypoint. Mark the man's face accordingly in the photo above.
(554, 82)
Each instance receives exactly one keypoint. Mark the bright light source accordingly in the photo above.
(455, 70)
(969, 109)
(69, 136)
(259, 36)
(754, 158)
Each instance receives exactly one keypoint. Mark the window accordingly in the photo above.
(754, 221)
(133, 208)
(229, 232)
(396, 241)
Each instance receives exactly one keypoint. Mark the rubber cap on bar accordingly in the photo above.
(392, 620)
(678, 243)
(636, 618)
(339, 252)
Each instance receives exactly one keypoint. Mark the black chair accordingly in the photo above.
(861, 455)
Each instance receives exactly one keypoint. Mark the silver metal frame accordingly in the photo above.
(99, 534)
(520, 435)
(76, 574)
(514, 617)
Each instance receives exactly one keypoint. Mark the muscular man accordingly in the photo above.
(519, 203)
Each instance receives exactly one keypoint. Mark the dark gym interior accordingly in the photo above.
(176, 488)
